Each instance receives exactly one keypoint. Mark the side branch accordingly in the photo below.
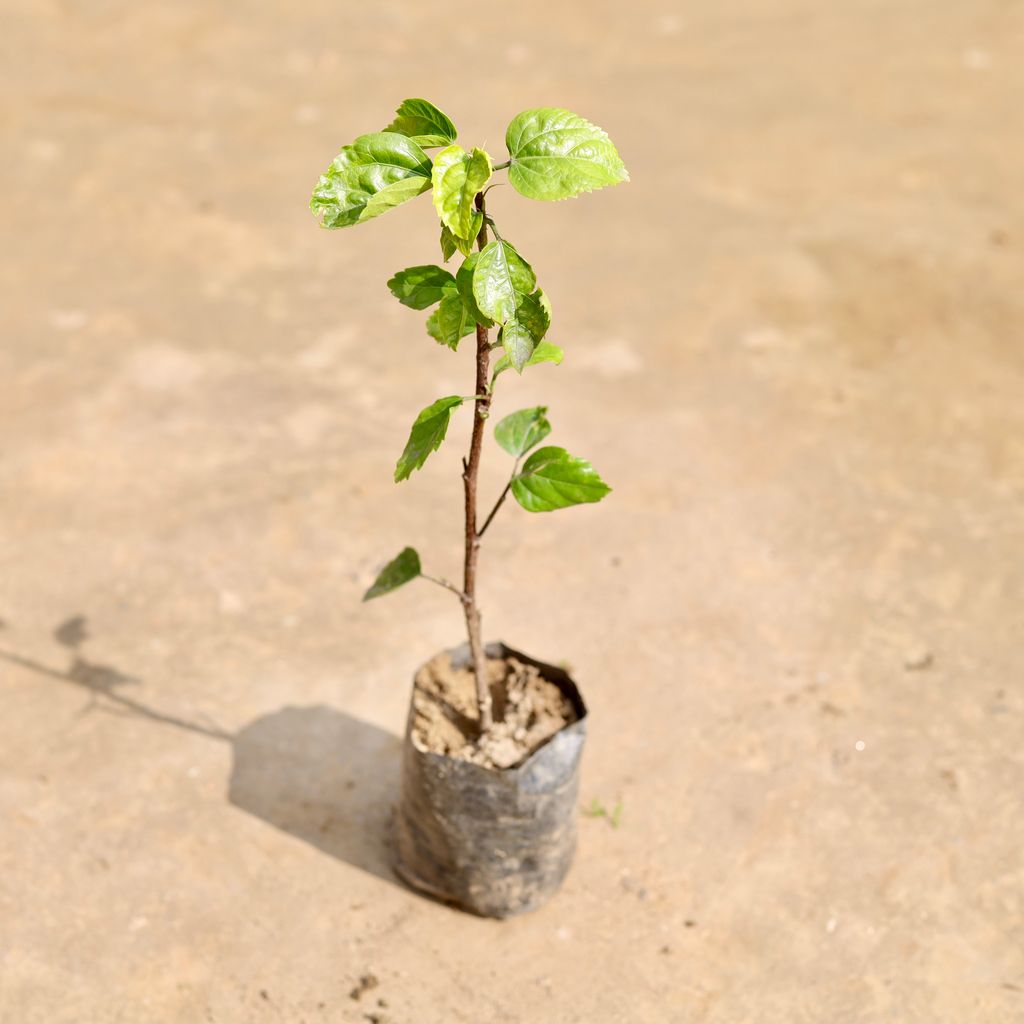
(447, 586)
(494, 511)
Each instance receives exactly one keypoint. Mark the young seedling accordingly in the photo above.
(598, 810)
(552, 154)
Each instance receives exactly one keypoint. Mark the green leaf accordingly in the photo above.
(402, 569)
(464, 282)
(426, 435)
(503, 285)
(451, 244)
(433, 329)
(520, 431)
(500, 279)
(457, 178)
(545, 302)
(545, 352)
(451, 321)
(368, 178)
(391, 196)
(466, 245)
(555, 154)
(551, 478)
(517, 342)
(521, 333)
(448, 246)
(422, 122)
(420, 287)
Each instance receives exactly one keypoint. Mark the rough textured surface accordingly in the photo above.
(528, 711)
(793, 347)
(496, 843)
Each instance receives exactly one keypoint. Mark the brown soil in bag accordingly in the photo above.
(528, 711)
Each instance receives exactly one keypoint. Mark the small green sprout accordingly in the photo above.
(598, 810)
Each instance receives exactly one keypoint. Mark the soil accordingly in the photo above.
(528, 711)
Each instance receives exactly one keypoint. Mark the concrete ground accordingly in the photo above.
(793, 346)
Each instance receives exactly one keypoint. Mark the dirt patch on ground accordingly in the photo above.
(528, 711)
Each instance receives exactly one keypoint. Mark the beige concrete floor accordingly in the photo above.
(794, 347)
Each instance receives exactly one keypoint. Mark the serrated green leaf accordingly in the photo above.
(464, 282)
(401, 569)
(420, 287)
(500, 279)
(551, 478)
(465, 246)
(368, 178)
(556, 154)
(448, 246)
(433, 329)
(457, 177)
(503, 285)
(427, 433)
(391, 196)
(520, 431)
(518, 343)
(545, 352)
(535, 312)
(521, 333)
(451, 321)
(422, 122)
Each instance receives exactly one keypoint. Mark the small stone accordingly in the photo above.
(504, 752)
(917, 659)
(366, 983)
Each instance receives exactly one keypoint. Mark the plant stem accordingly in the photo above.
(494, 511)
(469, 478)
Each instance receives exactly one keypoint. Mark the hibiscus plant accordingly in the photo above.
(552, 154)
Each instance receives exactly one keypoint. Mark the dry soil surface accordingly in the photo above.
(793, 347)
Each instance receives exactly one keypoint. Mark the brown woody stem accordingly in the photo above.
(470, 474)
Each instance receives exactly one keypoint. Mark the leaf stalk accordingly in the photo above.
(442, 582)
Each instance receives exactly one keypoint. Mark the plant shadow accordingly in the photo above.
(322, 776)
(315, 773)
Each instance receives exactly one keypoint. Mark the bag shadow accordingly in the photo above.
(315, 773)
(322, 776)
